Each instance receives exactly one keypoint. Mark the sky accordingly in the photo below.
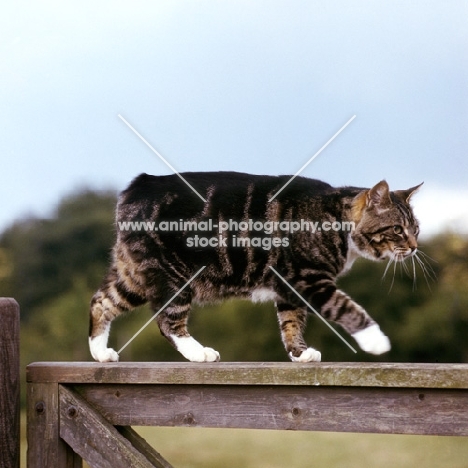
(255, 86)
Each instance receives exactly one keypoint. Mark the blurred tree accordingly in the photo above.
(39, 258)
(58, 331)
(438, 331)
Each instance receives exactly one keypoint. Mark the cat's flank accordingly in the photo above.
(166, 234)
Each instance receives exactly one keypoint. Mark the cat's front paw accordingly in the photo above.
(372, 340)
(210, 355)
(192, 350)
(106, 355)
(202, 355)
(100, 351)
(110, 355)
(308, 355)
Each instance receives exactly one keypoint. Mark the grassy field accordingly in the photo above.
(214, 448)
(224, 448)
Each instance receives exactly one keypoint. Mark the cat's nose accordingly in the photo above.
(412, 244)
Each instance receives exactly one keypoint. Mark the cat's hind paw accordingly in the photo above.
(372, 340)
(308, 355)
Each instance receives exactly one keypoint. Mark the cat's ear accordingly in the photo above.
(379, 195)
(405, 195)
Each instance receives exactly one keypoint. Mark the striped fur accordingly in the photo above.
(150, 266)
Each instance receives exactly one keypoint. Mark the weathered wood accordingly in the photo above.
(341, 409)
(45, 447)
(97, 399)
(393, 375)
(9, 384)
(92, 437)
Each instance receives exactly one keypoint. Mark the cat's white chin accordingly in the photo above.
(372, 340)
(308, 355)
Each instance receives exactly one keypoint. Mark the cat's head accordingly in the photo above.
(385, 226)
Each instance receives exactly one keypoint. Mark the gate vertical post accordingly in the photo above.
(9, 384)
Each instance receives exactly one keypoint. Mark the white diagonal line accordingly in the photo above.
(158, 155)
(311, 308)
(312, 158)
(161, 309)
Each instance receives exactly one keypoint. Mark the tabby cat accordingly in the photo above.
(239, 234)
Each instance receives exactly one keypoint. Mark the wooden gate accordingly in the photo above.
(85, 410)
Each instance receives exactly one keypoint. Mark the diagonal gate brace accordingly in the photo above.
(98, 442)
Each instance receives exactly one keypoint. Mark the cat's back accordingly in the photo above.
(150, 187)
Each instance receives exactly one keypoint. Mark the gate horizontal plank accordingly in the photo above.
(340, 409)
(392, 375)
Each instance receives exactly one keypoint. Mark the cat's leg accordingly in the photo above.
(336, 306)
(172, 322)
(116, 296)
(292, 323)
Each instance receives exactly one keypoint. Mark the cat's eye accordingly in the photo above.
(397, 229)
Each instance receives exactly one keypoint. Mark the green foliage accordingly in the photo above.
(40, 258)
(53, 267)
(58, 331)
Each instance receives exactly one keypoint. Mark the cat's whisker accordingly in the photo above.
(424, 254)
(393, 279)
(423, 268)
(387, 267)
(427, 273)
(414, 273)
(405, 267)
(392, 261)
(398, 256)
(426, 259)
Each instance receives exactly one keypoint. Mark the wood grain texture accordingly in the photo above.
(99, 402)
(9, 384)
(45, 447)
(97, 441)
(340, 409)
(391, 375)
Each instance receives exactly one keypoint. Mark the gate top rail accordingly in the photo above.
(343, 374)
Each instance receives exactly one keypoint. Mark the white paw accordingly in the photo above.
(100, 351)
(372, 340)
(107, 355)
(192, 350)
(209, 355)
(309, 355)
